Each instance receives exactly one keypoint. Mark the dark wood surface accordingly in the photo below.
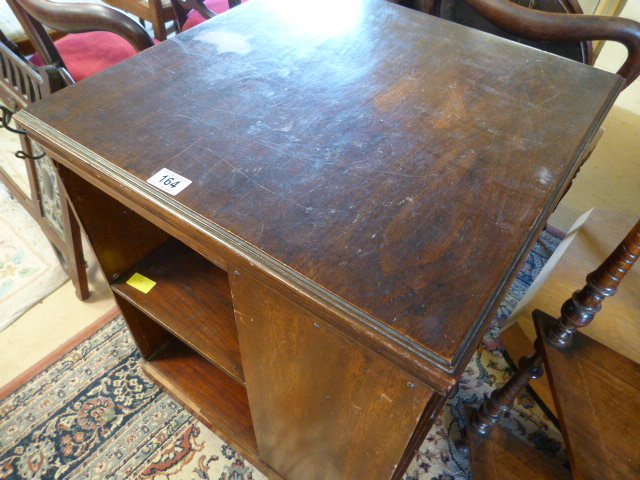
(192, 299)
(503, 456)
(323, 407)
(597, 396)
(394, 166)
(217, 400)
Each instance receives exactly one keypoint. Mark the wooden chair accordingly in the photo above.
(21, 83)
(101, 36)
(548, 27)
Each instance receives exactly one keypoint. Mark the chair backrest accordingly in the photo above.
(35, 15)
(22, 83)
(551, 27)
(461, 11)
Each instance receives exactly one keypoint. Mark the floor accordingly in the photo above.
(609, 179)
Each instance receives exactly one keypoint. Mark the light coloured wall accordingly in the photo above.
(611, 176)
(612, 56)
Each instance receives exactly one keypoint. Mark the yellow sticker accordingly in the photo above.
(141, 282)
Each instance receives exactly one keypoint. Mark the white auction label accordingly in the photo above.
(169, 181)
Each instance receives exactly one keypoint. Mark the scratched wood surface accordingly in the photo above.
(384, 158)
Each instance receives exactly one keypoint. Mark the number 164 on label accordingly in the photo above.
(169, 181)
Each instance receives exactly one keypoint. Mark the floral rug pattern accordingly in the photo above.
(29, 268)
(94, 415)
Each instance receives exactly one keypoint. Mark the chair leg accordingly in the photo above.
(158, 20)
(579, 310)
(483, 420)
(76, 265)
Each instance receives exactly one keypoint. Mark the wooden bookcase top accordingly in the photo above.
(392, 165)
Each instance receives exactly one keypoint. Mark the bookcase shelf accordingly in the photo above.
(191, 300)
(215, 399)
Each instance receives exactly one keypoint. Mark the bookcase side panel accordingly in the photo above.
(323, 405)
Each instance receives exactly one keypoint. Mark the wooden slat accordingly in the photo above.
(503, 456)
(597, 395)
(191, 299)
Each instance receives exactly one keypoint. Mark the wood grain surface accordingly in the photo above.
(597, 396)
(503, 456)
(389, 163)
(323, 407)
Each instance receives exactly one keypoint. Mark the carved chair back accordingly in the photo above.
(36, 15)
(547, 27)
(20, 82)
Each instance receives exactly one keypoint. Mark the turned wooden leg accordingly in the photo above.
(576, 312)
(501, 401)
(583, 305)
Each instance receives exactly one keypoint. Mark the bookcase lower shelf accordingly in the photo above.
(187, 323)
(216, 399)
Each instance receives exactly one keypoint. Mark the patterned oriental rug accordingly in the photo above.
(29, 267)
(93, 414)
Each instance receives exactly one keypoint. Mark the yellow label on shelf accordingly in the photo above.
(141, 282)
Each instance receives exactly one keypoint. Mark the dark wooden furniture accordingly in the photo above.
(464, 13)
(89, 21)
(44, 199)
(596, 390)
(156, 12)
(555, 26)
(361, 199)
(617, 327)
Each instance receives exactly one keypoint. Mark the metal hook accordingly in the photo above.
(6, 119)
(23, 154)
